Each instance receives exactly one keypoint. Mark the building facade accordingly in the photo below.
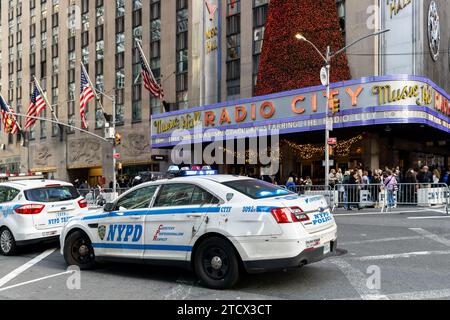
(202, 52)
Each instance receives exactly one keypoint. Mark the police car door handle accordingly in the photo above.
(195, 216)
(136, 217)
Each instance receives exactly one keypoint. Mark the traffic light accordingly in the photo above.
(117, 139)
(336, 105)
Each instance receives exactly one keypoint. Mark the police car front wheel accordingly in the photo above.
(216, 263)
(78, 251)
(7, 242)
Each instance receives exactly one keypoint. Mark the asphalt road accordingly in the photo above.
(398, 255)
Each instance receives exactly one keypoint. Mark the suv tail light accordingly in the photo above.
(289, 215)
(82, 203)
(30, 209)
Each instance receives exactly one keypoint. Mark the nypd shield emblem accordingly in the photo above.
(101, 232)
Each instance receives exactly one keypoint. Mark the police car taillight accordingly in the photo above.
(298, 215)
(82, 203)
(289, 215)
(282, 215)
(30, 209)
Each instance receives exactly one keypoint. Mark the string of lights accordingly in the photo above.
(309, 151)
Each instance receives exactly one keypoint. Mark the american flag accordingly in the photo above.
(8, 116)
(37, 104)
(149, 80)
(87, 93)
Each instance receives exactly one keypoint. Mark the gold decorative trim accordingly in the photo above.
(46, 169)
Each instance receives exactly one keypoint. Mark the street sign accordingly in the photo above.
(324, 76)
(332, 141)
(116, 155)
(329, 125)
(159, 158)
(331, 162)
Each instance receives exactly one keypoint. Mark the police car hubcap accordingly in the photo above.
(216, 263)
(6, 241)
(83, 250)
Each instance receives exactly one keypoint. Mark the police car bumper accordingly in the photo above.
(38, 236)
(308, 256)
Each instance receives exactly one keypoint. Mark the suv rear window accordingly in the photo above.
(52, 194)
(257, 189)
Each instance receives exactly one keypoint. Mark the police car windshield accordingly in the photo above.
(52, 194)
(257, 189)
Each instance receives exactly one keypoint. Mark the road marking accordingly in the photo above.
(25, 267)
(430, 217)
(443, 211)
(414, 295)
(432, 236)
(381, 240)
(375, 213)
(358, 280)
(401, 255)
(35, 280)
(421, 295)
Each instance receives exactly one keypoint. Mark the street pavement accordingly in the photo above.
(404, 254)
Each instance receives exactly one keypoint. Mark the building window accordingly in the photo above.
(155, 50)
(99, 56)
(182, 55)
(233, 58)
(136, 114)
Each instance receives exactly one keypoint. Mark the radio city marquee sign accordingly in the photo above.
(367, 101)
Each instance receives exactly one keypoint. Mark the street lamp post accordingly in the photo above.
(114, 149)
(327, 59)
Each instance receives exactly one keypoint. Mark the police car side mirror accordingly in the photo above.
(230, 196)
(109, 207)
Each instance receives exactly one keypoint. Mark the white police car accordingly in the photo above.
(35, 210)
(218, 225)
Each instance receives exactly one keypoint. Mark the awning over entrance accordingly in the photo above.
(398, 99)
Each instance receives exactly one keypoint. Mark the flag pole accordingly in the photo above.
(93, 89)
(45, 98)
(138, 42)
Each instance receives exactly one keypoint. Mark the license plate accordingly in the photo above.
(327, 248)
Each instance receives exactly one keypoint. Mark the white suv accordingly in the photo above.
(36, 210)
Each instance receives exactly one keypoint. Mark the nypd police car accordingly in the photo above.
(35, 210)
(218, 225)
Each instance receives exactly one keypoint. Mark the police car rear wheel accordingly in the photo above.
(216, 264)
(78, 251)
(7, 243)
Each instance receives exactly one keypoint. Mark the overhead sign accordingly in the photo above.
(211, 51)
(332, 141)
(367, 101)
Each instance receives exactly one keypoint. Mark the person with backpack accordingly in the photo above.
(390, 184)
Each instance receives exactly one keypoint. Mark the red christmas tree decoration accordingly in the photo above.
(287, 63)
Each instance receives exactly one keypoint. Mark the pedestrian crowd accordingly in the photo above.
(397, 183)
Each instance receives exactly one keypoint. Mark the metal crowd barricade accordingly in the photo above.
(97, 198)
(314, 190)
(360, 196)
